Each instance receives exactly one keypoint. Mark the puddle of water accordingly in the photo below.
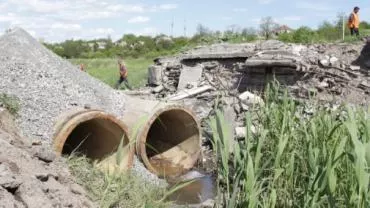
(199, 191)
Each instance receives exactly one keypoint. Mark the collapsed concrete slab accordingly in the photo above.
(190, 76)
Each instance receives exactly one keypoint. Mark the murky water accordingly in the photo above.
(199, 191)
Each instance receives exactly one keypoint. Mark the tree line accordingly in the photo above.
(135, 46)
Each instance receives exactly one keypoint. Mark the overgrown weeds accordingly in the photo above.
(294, 159)
(116, 190)
(11, 103)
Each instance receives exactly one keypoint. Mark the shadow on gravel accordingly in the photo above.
(364, 59)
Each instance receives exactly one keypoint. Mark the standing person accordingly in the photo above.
(82, 67)
(123, 75)
(354, 22)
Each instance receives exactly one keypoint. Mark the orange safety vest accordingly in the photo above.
(355, 21)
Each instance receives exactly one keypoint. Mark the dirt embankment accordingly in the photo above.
(31, 176)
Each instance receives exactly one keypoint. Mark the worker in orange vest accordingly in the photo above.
(123, 75)
(354, 22)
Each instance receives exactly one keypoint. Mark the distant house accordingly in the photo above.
(101, 44)
(282, 29)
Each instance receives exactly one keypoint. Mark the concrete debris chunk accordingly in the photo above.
(155, 75)
(324, 62)
(354, 68)
(249, 98)
(158, 89)
(333, 61)
(240, 132)
(190, 75)
(189, 93)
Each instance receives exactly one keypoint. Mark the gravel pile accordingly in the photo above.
(47, 86)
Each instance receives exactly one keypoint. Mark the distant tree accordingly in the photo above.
(364, 25)
(249, 31)
(267, 27)
(95, 47)
(329, 32)
(203, 30)
(109, 43)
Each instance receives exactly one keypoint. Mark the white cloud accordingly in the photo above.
(226, 18)
(315, 6)
(9, 17)
(57, 20)
(240, 10)
(66, 27)
(105, 31)
(145, 31)
(167, 6)
(40, 6)
(126, 8)
(138, 19)
(265, 1)
(256, 20)
(292, 18)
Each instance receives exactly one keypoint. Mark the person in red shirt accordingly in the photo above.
(123, 75)
(82, 67)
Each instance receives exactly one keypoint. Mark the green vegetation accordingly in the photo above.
(11, 103)
(295, 159)
(326, 32)
(132, 46)
(116, 189)
(106, 70)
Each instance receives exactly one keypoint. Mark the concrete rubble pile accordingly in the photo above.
(233, 75)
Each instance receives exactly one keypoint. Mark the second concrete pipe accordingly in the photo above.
(167, 135)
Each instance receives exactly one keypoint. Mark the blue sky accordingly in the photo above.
(57, 20)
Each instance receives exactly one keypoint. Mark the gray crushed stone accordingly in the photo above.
(47, 86)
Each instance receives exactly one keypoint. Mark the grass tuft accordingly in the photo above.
(116, 190)
(11, 103)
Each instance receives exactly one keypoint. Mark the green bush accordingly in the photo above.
(303, 35)
(286, 37)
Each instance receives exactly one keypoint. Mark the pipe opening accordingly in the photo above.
(96, 138)
(172, 142)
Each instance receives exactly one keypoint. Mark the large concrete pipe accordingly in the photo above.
(96, 134)
(167, 135)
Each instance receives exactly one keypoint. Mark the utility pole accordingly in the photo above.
(343, 27)
(172, 25)
(184, 27)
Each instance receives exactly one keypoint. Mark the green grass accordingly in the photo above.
(295, 159)
(106, 70)
(11, 103)
(116, 189)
